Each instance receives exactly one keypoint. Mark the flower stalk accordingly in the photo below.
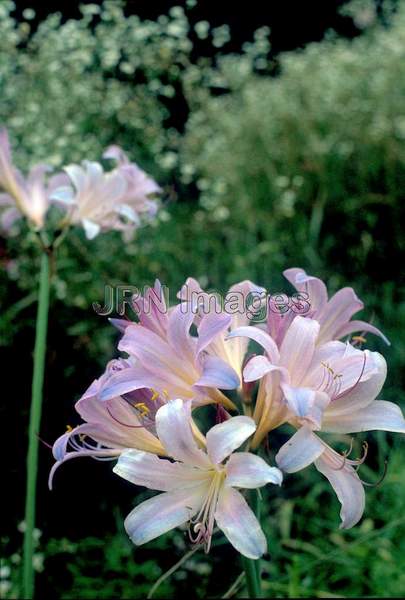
(34, 424)
(252, 567)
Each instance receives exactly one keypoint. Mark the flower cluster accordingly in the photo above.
(141, 410)
(89, 196)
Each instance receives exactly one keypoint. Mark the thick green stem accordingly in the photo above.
(250, 566)
(35, 419)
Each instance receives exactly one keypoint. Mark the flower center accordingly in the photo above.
(202, 525)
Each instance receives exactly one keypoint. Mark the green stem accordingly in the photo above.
(35, 419)
(250, 566)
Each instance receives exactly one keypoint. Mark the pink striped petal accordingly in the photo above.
(347, 485)
(353, 326)
(298, 346)
(363, 390)
(143, 468)
(224, 438)
(246, 470)
(306, 403)
(239, 524)
(261, 337)
(210, 327)
(164, 512)
(379, 415)
(217, 373)
(338, 311)
(302, 449)
(174, 431)
(315, 288)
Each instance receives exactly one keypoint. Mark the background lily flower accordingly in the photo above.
(140, 187)
(199, 487)
(28, 197)
(334, 314)
(107, 200)
(166, 357)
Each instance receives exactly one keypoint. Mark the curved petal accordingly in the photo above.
(298, 346)
(316, 289)
(261, 337)
(178, 331)
(346, 484)
(162, 513)
(174, 431)
(224, 438)
(379, 415)
(210, 326)
(363, 392)
(305, 403)
(239, 524)
(247, 470)
(217, 373)
(91, 228)
(257, 367)
(143, 468)
(353, 326)
(337, 312)
(302, 449)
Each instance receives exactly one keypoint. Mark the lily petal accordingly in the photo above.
(261, 337)
(164, 512)
(143, 468)
(298, 346)
(174, 431)
(302, 449)
(379, 415)
(346, 484)
(218, 374)
(353, 326)
(239, 524)
(224, 438)
(247, 470)
(363, 392)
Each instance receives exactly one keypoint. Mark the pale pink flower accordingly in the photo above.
(28, 197)
(102, 201)
(111, 426)
(333, 314)
(199, 487)
(140, 187)
(166, 357)
(330, 387)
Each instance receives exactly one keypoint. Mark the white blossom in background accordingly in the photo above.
(101, 201)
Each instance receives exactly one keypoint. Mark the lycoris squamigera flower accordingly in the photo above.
(331, 388)
(28, 197)
(101, 201)
(200, 486)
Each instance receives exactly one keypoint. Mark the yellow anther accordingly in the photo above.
(143, 409)
(69, 428)
(155, 395)
(166, 393)
(359, 338)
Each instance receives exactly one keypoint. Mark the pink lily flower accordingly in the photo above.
(28, 197)
(102, 201)
(208, 308)
(166, 357)
(199, 487)
(140, 187)
(111, 426)
(333, 314)
(331, 388)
